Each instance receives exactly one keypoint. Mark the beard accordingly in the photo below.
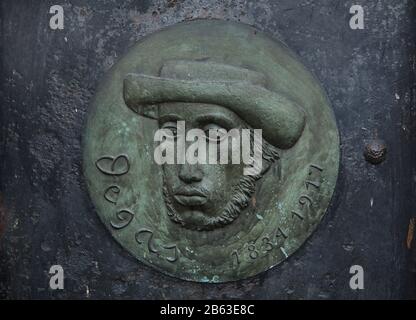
(240, 198)
(241, 195)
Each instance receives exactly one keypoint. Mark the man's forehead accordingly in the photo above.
(196, 112)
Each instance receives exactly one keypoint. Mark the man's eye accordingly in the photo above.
(173, 131)
(170, 130)
(214, 132)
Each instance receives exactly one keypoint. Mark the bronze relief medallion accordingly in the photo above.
(210, 222)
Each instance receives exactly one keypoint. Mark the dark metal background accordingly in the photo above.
(49, 76)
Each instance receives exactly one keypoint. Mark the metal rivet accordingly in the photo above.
(375, 151)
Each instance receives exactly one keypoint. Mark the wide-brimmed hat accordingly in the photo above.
(239, 89)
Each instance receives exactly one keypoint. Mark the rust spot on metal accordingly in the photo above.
(410, 233)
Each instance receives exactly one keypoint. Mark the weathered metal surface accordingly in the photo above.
(49, 77)
(210, 222)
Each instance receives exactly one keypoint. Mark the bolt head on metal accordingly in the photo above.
(375, 151)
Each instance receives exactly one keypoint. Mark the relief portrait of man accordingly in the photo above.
(155, 113)
(209, 95)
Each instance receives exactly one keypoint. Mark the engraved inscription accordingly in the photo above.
(265, 245)
(297, 215)
(259, 248)
(234, 254)
(174, 248)
(111, 194)
(124, 217)
(150, 245)
(113, 166)
(312, 186)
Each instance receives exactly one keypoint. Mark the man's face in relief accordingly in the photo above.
(198, 196)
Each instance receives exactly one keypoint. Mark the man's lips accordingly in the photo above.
(191, 197)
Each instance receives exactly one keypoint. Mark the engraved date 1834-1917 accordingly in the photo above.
(266, 244)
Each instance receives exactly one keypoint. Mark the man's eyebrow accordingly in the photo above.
(218, 118)
(169, 117)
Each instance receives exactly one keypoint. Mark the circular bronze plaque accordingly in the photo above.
(210, 223)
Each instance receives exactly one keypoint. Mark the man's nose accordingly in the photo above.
(190, 173)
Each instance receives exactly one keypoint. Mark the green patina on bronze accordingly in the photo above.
(210, 223)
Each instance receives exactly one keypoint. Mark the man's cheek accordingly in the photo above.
(171, 175)
(232, 174)
(216, 182)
